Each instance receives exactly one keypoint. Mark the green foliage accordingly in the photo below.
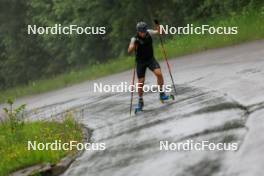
(251, 27)
(14, 115)
(14, 153)
(25, 58)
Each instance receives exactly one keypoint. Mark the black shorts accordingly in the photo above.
(152, 64)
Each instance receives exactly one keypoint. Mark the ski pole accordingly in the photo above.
(133, 81)
(166, 58)
(132, 91)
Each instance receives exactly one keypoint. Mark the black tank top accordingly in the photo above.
(144, 50)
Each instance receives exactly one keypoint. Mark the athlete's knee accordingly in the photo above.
(158, 73)
(141, 80)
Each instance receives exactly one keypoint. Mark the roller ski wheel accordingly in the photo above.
(164, 98)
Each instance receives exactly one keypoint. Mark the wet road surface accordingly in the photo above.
(219, 98)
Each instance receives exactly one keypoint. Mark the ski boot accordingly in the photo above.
(140, 105)
(164, 97)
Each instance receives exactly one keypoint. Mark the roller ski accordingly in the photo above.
(165, 98)
(140, 106)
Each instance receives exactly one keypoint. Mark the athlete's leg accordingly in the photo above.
(155, 68)
(140, 104)
(140, 86)
(160, 80)
(141, 70)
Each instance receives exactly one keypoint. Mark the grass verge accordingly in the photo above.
(14, 153)
(250, 27)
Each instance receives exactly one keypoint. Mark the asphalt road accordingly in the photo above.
(219, 98)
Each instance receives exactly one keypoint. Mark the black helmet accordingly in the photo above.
(142, 26)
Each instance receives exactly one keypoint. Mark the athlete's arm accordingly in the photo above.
(155, 31)
(132, 45)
